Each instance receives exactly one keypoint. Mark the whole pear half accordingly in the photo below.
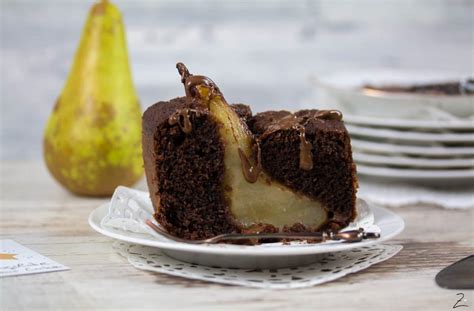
(92, 138)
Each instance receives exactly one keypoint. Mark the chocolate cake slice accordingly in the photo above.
(208, 174)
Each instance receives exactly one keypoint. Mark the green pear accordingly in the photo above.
(92, 141)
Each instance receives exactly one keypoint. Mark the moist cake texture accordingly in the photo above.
(329, 177)
(185, 171)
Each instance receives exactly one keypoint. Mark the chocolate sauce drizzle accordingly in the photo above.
(291, 121)
(191, 81)
(297, 122)
(183, 119)
(250, 172)
(306, 157)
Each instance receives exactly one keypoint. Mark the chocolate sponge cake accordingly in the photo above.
(214, 168)
(185, 169)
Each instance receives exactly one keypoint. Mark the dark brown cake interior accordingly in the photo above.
(187, 196)
(331, 180)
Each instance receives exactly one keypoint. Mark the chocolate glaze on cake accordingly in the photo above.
(332, 176)
(251, 172)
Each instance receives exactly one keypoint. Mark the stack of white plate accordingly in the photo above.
(427, 139)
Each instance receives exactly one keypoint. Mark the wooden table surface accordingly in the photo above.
(39, 214)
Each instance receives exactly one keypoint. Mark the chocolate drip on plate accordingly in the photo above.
(463, 87)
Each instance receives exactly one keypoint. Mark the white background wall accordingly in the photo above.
(259, 52)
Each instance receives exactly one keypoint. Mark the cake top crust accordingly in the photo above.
(243, 111)
(304, 121)
(282, 119)
(161, 112)
(178, 110)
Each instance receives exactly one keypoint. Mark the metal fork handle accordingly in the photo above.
(346, 236)
(316, 236)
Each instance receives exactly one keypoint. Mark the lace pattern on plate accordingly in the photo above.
(327, 267)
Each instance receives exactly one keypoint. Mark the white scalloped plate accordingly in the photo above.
(423, 176)
(265, 255)
(407, 124)
(412, 162)
(411, 136)
(429, 151)
(346, 87)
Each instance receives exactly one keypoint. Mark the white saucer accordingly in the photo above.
(411, 136)
(271, 255)
(422, 176)
(410, 124)
(346, 87)
(412, 162)
(429, 151)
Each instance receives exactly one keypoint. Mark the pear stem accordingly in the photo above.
(182, 70)
(191, 82)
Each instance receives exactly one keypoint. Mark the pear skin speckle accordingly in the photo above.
(92, 141)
